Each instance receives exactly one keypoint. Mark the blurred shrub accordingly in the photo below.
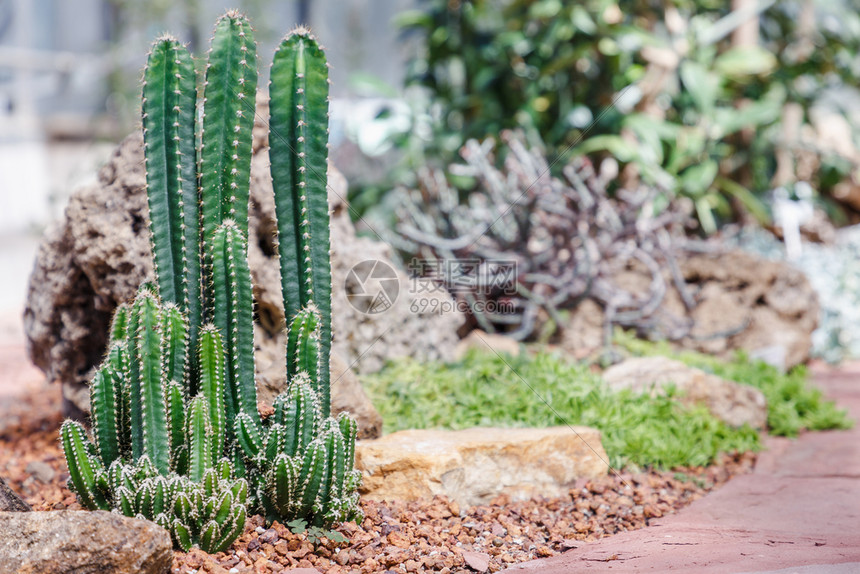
(523, 247)
(678, 91)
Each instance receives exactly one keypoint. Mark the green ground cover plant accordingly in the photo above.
(793, 405)
(485, 389)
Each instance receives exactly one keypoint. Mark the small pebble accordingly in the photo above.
(41, 471)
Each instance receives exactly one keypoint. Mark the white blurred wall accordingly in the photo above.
(69, 89)
(69, 70)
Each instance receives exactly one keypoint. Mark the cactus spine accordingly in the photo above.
(174, 403)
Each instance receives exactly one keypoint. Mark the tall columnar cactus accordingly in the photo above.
(169, 100)
(229, 93)
(298, 142)
(174, 404)
(301, 459)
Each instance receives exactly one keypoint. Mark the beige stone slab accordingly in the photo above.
(473, 466)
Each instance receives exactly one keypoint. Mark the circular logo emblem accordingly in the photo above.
(372, 286)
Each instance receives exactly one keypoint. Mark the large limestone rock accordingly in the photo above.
(99, 254)
(82, 542)
(475, 465)
(734, 403)
(767, 308)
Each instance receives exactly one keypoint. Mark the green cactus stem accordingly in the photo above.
(303, 345)
(212, 385)
(228, 119)
(248, 435)
(175, 344)
(84, 466)
(299, 414)
(169, 107)
(233, 316)
(116, 364)
(200, 440)
(298, 140)
(105, 415)
(148, 416)
(311, 477)
(119, 324)
(284, 479)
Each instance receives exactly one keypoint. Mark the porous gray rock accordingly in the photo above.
(98, 255)
(734, 403)
(742, 302)
(10, 501)
(82, 542)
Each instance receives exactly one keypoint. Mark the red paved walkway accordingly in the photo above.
(799, 509)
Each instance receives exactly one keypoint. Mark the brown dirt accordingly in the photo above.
(430, 535)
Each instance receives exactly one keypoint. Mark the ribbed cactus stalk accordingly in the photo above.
(212, 385)
(229, 98)
(298, 141)
(177, 436)
(303, 343)
(148, 413)
(169, 104)
(300, 458)
(233, 316)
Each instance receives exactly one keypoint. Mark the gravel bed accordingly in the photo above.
(434, 535)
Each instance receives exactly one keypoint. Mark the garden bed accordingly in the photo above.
(429, 535)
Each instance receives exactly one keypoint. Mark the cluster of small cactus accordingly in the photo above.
(157, 454)
(302, 462)
(177, 435)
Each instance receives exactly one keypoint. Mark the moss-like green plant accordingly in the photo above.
(177, 385)
(483, 389)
